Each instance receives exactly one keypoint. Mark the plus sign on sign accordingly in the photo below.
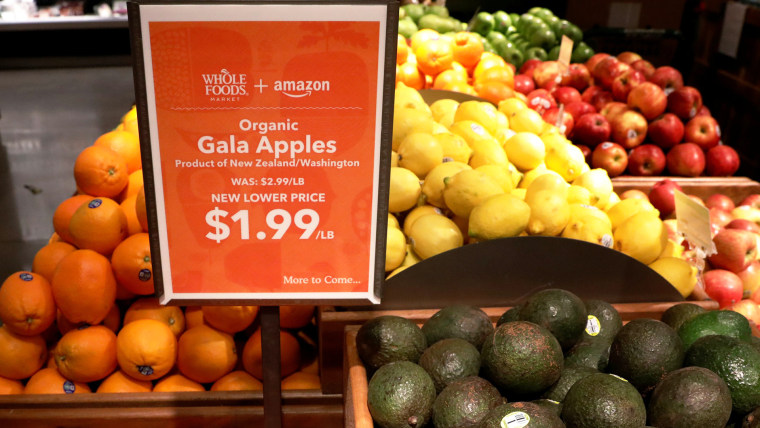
(265, 163)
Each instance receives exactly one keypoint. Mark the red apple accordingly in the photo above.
(644, 67)
(591, 129)
(548, 74)
(524, 84)
(646, 160)
(586, 150)
(752, 201)
(612, 109)
(601, 99)
(611, 157)
(629, 129)
(722, 161)
(723, 286)
(551, 116)
(736, 250)
(579, 108)
(634, 193)
(686, 160)
(704, 111)
(566, 95)
(595, 58)
(749, 309)
(685, 102)
(578, 76)
(666, 130)
(528, 66)
(720, 218)
(751, 277)
(662, 195)
(589, 92)
(540, 100)
(667, 78)
(628, 57)
(744, 224)
(623, 84)
(703, 131)
(721, 201)
(607, 70)
(649, 99)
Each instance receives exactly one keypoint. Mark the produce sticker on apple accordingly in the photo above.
(263, 142)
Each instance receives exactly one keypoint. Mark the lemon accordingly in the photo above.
(672, 249)
(481, 112)
(584, 210)
(393, 221)
(411, 257)
(578, 195)
(433, 186)
(470, 131)
(525, 150)
(588, 224)
(395, 248)
(529, 176)
(503, 134)
(420, 152)
(396, 271)
(443, 111)
(510, 106)
(404, 120)
(614, 199)
(641, 236)
(428, 127)
(418, 212)
(487, 151)
(433, 234)
(598, 183)
(502, 121)
(527, 120)
(517, 176)
(549, 213)
(394, 158)
(406, 97)
(565, 159)
(500, 174)
(454, 147)
(500, 216)
(466, 189)
(678, 272)
(628, 207)
(404, 190)
(518, 193)
(549, 182)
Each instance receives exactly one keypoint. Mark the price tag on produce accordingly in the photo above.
(265, 132)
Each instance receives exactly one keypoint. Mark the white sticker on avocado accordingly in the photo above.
(515, 420)
(593, 326)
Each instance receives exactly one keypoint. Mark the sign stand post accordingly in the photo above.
(270, 349)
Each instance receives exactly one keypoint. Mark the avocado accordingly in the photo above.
(521, 414)
(550, 405)
(723, 322)
(512, 314)
(465, 322)
(389, 338)
(450, 359)
(644, 351)
(603, 323)
(567, 379)
(521, 359)
(589, 354)
(735, 361)
(678, 314)
(560, 311)
(465, 403)
(401, 395)
(755, 342)
(603, 400)
(690, 397)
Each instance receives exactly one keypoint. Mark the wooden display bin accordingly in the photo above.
(736, 188)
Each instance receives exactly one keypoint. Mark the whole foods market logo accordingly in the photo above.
(225, 86)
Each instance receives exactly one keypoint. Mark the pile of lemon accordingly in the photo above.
(466, 172)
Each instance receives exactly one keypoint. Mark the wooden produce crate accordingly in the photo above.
(736, 188)
(333, 325)
(166, 409)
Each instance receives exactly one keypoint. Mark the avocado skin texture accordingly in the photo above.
(690, 397)
(465, 403)
(560, 311)
(401, 395)
(595, 355)
(678, 314)
(389, 338)
(570, 375)
(462, 321)
(450, 359)
(603, 400)
(722, 322)
(540, 417)
(609, 318)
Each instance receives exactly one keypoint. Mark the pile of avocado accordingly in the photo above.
(556, 360)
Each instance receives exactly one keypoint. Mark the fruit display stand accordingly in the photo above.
(736, 188)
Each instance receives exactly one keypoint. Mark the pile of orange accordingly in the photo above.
(458, 63)
(85, 318)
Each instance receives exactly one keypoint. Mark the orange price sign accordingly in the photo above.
(265, 130)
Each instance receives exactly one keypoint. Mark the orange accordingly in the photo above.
(55, 238)
(146, 349)
(131, 126)
(177, 383)
(84, 287)
(11, 386)
(98, 225)
(113, 319)
(487, 61)
(290, 354)
(134, 184)
(124, 294)
(21, 355)
(142, 212)
(132, 265)
(193, 316)
(27, 306)
(301, 380)
(467, 49)
(499, 74)
(50, 381)
(86, 354)
(46, 259)
(230, 319)
(408, 74)
(402, 50)
(205, 354)
(119, 382)
(422, 37)
(63, 214)
(449, 77)
(149, 308)
(237, 380)
(125, 144)
(434, 56)
(494, 91)
(296, 316)
(129, 206)
(100, 171)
